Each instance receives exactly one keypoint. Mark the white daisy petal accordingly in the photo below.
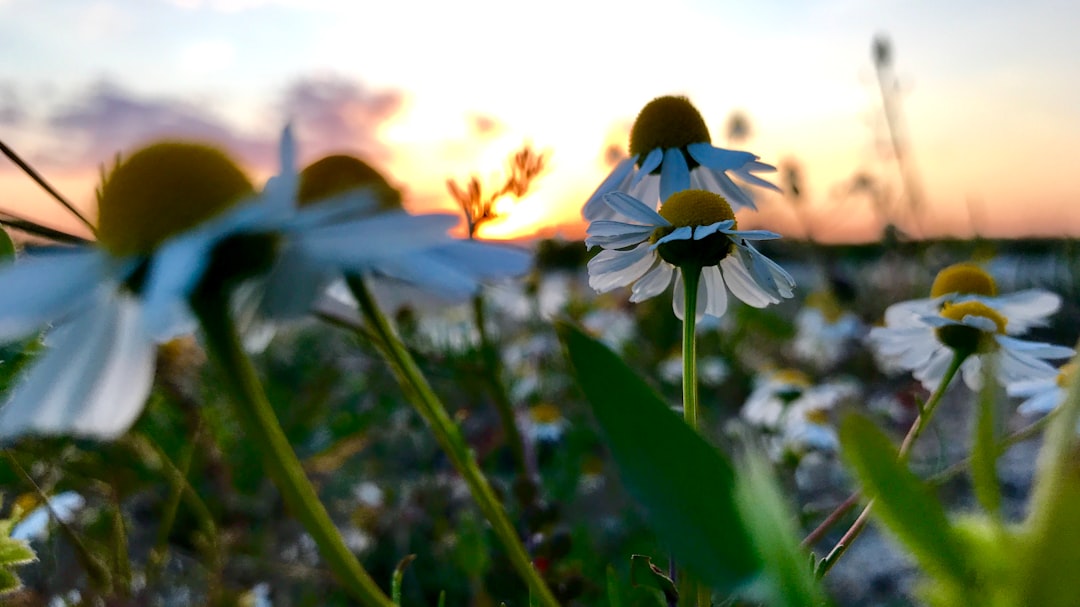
(48, 287)
(1026, 309)
(355, 244)
(706, 231)
(613, 268)
(620, 241)
(635, 210)
(594, 207)
(674, 174)
(717, 292)
(93, 383)
(1042, 402)
(718, 159)
(1034, 348)
(678, 301)
(755, 234)
(683, 233)
(742, 284)
(745, 175)
(719, 183)
(653, 283)
(652, 161)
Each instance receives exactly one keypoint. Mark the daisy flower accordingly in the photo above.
(823, 330)
(95, 375)
(963, 282)
(545, 423)
(694, 231)
(965, 317)
(1043, 395)
(670, 151)
(766, 404)
(435, 264)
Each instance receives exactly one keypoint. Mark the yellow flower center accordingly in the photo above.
(964, 278)
(667, 122)
(965, 338)
(163, 190)
(817, 416)
(545, 413)
(1065, 374)
(791, 376)
(694, 208)
(339, 174)
(825, 302)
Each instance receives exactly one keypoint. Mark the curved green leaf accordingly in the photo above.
(901, 500)
(685, 486)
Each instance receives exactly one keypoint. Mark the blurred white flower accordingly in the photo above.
(694, 229)
(711, 370)
(823, 331)
(670, 151)
(966, 315)
(1043, 395)
(544, 422)
(35, 524)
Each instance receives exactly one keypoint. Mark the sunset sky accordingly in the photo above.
(989, 92)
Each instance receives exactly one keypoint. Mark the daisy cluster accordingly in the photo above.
(179, 222)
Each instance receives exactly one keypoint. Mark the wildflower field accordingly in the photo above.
(296, 393)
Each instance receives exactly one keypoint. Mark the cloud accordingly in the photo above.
(328, 113)
(110, 119)
(12, 112)
(332, 114)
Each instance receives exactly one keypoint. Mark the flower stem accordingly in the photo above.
(917, 427)
(691, 279)
(449, 437)
(261, 425)
(691, 590)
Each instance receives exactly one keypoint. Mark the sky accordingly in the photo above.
(988, 95)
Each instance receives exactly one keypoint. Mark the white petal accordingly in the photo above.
(683, 233)
(41, 289)
(755, 234)
(1026, 309)
(678, 301)
(718, 159)
(651, 163)
(653, 283)
(1035, 348)
(742, 285)
(1016, 366)
(1041, 402)
(618, 179)
(933, 370)
(289, 290)
(647, 191)
(717, 292)
(616, 234)
(635, 210)
(709, 230)
(745, 175)
(613, 268)
(674, 174)
(174, 272)
(736, 196)
(353, 245)
(93, 383)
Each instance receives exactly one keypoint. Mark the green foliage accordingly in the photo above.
(7, 247)
(790, 578)
(902, 501)
(685, 486)
(13, 553)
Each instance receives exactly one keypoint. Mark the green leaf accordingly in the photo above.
(644, 573)
(15, 552)
(1049, 561)
(7, 247)
(901, 500)
(9, 582)
(789, 572)
(614, 597)
(399, 575)
(685, 486)
(984, 449)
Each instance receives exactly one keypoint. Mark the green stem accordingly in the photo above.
(691, 279)
(449, 437)
(691, 590)
(493, 373)
(913, 434)
(261, 426)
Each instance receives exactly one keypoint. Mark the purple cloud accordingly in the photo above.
(332, 114)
